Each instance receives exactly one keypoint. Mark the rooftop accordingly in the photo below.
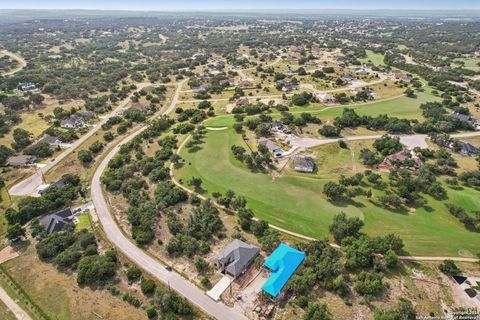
(283, 262)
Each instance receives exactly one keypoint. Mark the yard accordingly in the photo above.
(58, 294)
(296, 202)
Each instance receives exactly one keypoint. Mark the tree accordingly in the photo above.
(36, 99)
(317, 311)
(134, 274)
(5, 153)
(334, 190)
(195, 182)
(15, 231)
(147, 286)
(85, 156)
(96, 270)
(387, 145)
(22, 138)
(329, 131)
(343, 227)
(201, 265)
(449, 268)
(369, 283)
(410, 93)
(404, 311)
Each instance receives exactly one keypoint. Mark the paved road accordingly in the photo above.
(411, 140)
(142, 259)
(30, 185)
(12, 55)
(19, 313)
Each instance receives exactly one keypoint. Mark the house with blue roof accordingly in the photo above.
(282, 262)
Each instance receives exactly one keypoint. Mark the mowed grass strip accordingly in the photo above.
(296, 202)
(402, 107)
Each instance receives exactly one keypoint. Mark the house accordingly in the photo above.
(402, 156)
(54, 56)
(25, 86)
(50, 140)
(22, 161)
(347, 79)
(283, 262)
(403, 77)
(57, 221)
(465, 148)
(465, 118)
(246, 84)
(362, 71)
(72, 122)
(372, 95)
(340, 58)
(235, 258)
(290, 87)
(303, 164)
(271, 146)
(58, 183)
(325, 98)
(241, 102)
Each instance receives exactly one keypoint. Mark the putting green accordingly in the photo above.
(295, 202)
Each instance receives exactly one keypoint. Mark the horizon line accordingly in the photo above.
(240, 9)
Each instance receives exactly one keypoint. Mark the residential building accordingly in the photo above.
(272, 147)
(50, 140)
(56, 222)
(465, 148)
(235, 258)
(72, 122)
(282, 262)
(21, 161)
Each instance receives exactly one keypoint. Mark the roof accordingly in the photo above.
(236, 256)
(57, 221)
(49, 139)
(283, 262)
(461, 117)
(21, 160)
(306, 164)
(271, 145)
(467, 147)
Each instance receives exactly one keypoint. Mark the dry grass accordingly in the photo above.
(59, 295)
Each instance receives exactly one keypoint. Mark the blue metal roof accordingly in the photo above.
(283, 262)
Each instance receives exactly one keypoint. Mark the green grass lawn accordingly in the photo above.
(470, 63)
(375, 58)
(402, 107)
(84, 222)
(296, 202)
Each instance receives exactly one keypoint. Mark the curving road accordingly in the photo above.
(30, 185)
(14, 56)
(138, 256)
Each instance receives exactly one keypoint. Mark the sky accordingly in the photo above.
(218, 5)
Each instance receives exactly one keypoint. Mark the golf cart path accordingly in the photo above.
(299, 235)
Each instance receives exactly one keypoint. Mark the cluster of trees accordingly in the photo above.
(350, 119)
(53, 198)
(193, 237)
(255, 161)
(77, 251)
(470, 222)
(126, 175)
(302, 99)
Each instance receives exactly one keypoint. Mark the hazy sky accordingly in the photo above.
(239, 4)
